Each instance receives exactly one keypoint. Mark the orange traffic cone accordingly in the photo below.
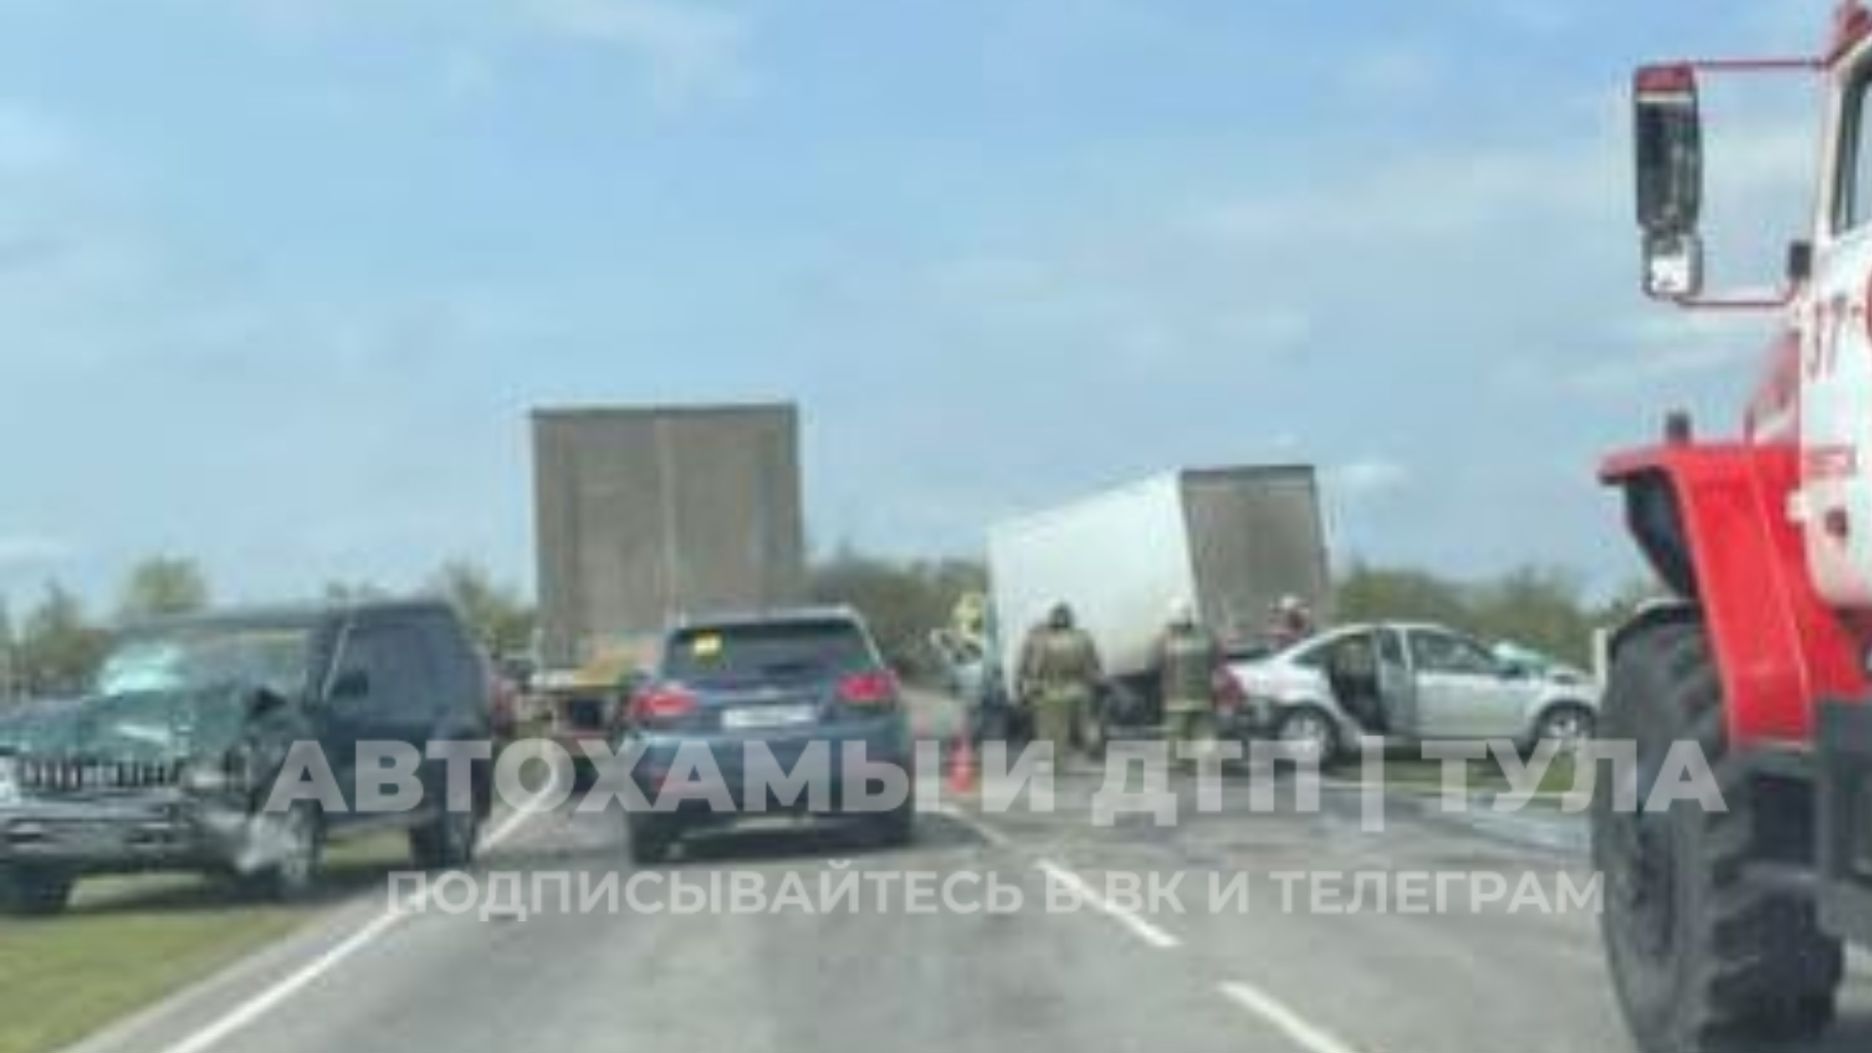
(963, 771)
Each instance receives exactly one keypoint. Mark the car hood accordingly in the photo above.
(156, 726)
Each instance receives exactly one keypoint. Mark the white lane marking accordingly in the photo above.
(1288, 1022)
(507, 828)
(266, 1001)
(1309, 1037)
(980, 827)
(1145, 931)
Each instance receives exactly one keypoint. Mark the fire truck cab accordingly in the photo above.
(1727, 923)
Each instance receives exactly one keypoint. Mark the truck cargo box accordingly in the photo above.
(1231, 541)
(644, 514)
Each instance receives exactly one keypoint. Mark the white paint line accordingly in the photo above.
(1296, 1027)
(507, 828)
(266, 1001)
(259, 1005)
(979, 826)
(1144, 930)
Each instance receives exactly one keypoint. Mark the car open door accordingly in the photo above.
(1458, 683)
(1397, 685)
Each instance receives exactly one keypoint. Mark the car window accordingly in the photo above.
(197, 656)
(1853, 201)
(1353, 652)
(1439, 652)
(1313, 656)
(398, 661)
(459, 677)
(805, 648)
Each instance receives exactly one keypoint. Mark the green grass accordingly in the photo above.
(130, 941)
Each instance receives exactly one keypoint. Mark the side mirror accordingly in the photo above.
(349, 685)
(1799, 262)
(1673, 266)
(1668, 136)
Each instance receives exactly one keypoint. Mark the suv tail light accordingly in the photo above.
(662, 703)
(869, 689)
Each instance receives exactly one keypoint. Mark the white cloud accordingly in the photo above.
(1107, 294)
(693, 49)
(1671, 344)
(1476, 192)
(1366, 478)
(690, 50)
(28, 551)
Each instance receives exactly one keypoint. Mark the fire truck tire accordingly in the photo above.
(1700, 956)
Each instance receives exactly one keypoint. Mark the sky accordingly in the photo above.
(280, 279)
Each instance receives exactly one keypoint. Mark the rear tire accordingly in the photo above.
(1567, 724)
(446, 842)
(1700, 956)
(34, 892)
(1311, 734)
(648, 840)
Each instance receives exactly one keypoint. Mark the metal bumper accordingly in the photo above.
(885, 740)
(161, 831)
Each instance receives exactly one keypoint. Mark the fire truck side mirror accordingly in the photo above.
(1668, 136)
(1673, 266)
(1799, 262)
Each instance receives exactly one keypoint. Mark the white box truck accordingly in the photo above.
(1231, 541)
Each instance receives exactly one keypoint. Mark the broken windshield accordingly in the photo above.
(178, 660)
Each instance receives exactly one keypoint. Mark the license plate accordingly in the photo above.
(742, 718)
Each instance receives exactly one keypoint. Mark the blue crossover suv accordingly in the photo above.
(788, 712)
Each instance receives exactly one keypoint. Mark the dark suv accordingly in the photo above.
(168, 762)
(796, 684)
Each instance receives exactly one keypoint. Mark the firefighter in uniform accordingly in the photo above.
(1059, 677)
(1187, 659)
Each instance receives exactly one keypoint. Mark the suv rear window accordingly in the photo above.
(815, 648)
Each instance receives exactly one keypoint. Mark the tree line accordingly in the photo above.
(1548, 609)
(1545, 608)
(55, 645)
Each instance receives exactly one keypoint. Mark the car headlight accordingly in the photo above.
(9, 781)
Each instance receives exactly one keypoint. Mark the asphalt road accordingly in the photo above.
(1100, 977)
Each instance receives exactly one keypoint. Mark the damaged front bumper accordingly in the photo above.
(170, 829)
